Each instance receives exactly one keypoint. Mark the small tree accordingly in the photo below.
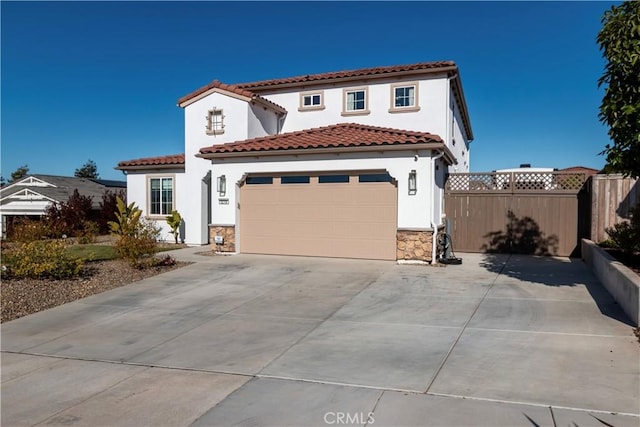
(19, 173)
(88, 170)
(174, 220)
(69, 217)
(620, 108)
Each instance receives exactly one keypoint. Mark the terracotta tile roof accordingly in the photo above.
(228, 88)
(581, 169)
(335, 136)
(363, 72)
(172, 160)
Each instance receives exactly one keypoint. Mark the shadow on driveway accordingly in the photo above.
(555, 272)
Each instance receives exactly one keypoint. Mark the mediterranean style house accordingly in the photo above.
(343, 164)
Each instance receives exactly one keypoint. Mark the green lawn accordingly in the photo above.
(92, 252)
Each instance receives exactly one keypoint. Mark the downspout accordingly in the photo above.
(433, 169)
(450, 114)
(433, 207)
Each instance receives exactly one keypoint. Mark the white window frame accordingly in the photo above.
(173, 195)
(312, 106)
(345, 94)
(411, 108)
(215, 127)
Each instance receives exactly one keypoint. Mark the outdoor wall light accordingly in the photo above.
(413, 182)
(222, 185)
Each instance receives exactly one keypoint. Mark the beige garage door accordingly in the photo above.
(335, 215)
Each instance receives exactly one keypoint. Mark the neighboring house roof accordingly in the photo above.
(343, 137)
(111, 183)
(162, 162)
(305, 81)
(60, 188)
(232, 90)
(581, 169)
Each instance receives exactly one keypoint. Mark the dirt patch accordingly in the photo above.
(21, 297)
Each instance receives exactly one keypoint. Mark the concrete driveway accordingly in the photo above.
(263, 340)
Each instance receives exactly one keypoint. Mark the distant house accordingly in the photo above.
(527, 177)
(581, 169)
(31, 195)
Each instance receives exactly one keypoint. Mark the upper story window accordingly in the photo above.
(404, 97)
(215, 122)
(311, 101)
(160, 195)
(355, 101)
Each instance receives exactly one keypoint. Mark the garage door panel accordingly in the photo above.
(350, 220)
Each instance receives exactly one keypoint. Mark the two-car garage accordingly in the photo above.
(333, 214)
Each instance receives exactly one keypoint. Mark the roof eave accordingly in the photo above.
(148, 167)
(267, 104)
(188, 100)
(324, 81)
(436, 146)
(463, 104)
(8, 196)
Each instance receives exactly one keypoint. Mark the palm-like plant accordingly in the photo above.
(128, 219)
(174, 220)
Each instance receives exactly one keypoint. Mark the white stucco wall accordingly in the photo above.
(262, 121)
(192, 195)
(432, 100)
(456, 133)
(414, 211)
(137, 192)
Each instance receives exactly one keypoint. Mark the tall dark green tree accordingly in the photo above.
(619, 41)
(88, 170)
(19, 173)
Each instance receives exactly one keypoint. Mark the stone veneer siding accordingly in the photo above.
(414, 245)
(228, 232)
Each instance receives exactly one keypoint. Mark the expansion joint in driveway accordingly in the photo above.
(122, 362)
(464, 327)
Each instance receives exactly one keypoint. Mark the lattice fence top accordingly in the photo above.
(515, 181)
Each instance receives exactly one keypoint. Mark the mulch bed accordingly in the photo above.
(21, 297)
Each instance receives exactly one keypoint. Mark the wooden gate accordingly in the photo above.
(541, 213)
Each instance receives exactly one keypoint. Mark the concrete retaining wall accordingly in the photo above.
(622, 283)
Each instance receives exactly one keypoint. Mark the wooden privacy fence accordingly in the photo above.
(517, 212)
(612, 198)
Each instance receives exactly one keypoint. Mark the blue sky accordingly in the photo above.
(100, 81)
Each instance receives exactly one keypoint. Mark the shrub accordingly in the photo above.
(41, 259)
(165, 260)
(28, 230)
(88, 232)
(136, 236)
(138, 249)
(626, 235)
(68, 217)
